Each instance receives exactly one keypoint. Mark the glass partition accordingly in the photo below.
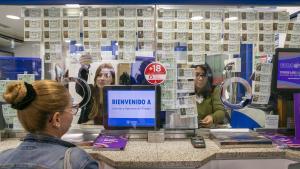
(118, 42)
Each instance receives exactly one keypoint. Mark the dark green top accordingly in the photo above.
(212, 105)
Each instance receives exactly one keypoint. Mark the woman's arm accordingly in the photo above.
(218, 108)
(83, 74)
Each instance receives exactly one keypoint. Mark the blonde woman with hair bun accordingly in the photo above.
(45, 110)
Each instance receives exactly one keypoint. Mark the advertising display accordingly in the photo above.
(286, 71)
(131, 106)
(135, 108)
(288, 74)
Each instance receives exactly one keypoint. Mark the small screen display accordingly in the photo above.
(131, 107)
(288, 70)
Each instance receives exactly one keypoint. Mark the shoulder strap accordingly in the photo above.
(67, 163)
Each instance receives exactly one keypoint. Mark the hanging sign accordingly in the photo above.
(155, 73)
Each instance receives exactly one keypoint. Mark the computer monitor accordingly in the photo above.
(286, 71)
(131, 107)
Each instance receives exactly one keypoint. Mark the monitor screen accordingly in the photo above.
(131, 107)
(286, 70)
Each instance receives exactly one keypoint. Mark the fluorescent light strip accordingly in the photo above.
(234, 18)
(12, 17)
(197, 18)
(72, 5)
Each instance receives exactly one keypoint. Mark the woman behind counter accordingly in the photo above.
(45, 110)
(105, 75)
(210, 109)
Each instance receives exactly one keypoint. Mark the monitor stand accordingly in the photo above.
(297, 117)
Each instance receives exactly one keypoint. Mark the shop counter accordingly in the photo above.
(181, 154)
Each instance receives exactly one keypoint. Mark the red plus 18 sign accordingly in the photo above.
(155, 73)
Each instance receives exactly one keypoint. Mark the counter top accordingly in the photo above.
(175, 153)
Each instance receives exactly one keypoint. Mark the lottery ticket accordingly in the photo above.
(168, 84)
(52, 24)
(216, 15)
(29, 78)
(266, 27)
(185, 86)
(182, 25)
(33, 24)
(182, 14)
(262, 77)
(261, 88)
(265, 68)
(109, 12)
(33, 35)
(249, 16)
(3, 84)
(186, 102)
(171, 74)
(91, 24)
(129, 24)
(168, 62)
(146, 13)
(283, 16)
(168, 13)
(168, 94)
(260, 99)
(51, 57)
(168, 104)
(196, 59)
(129, 13)
(186, 73)
(281, 27)
(52, 12)
(32, 12)
(216, 26)
(52, 35)
(53, 46)
(91, 12)
(188, 112)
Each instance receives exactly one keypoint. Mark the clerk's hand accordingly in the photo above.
(207, 121)
(85, 60)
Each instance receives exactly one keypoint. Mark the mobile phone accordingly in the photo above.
(198, 142)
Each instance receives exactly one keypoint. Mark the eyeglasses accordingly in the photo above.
(105, 75)
(74, 110)
(200, 75)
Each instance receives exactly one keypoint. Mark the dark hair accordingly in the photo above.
(208, 87)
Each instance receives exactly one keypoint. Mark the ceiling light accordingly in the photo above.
(67, 40)
(12, 17)
(73, 5)
(12, 44)
(232, 18)
(78, 44)
(197, 18)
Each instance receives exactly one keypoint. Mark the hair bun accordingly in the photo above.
(15, 92)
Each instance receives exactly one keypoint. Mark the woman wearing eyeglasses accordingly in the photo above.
(210, 109)
(45, 111)
(104, 75)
